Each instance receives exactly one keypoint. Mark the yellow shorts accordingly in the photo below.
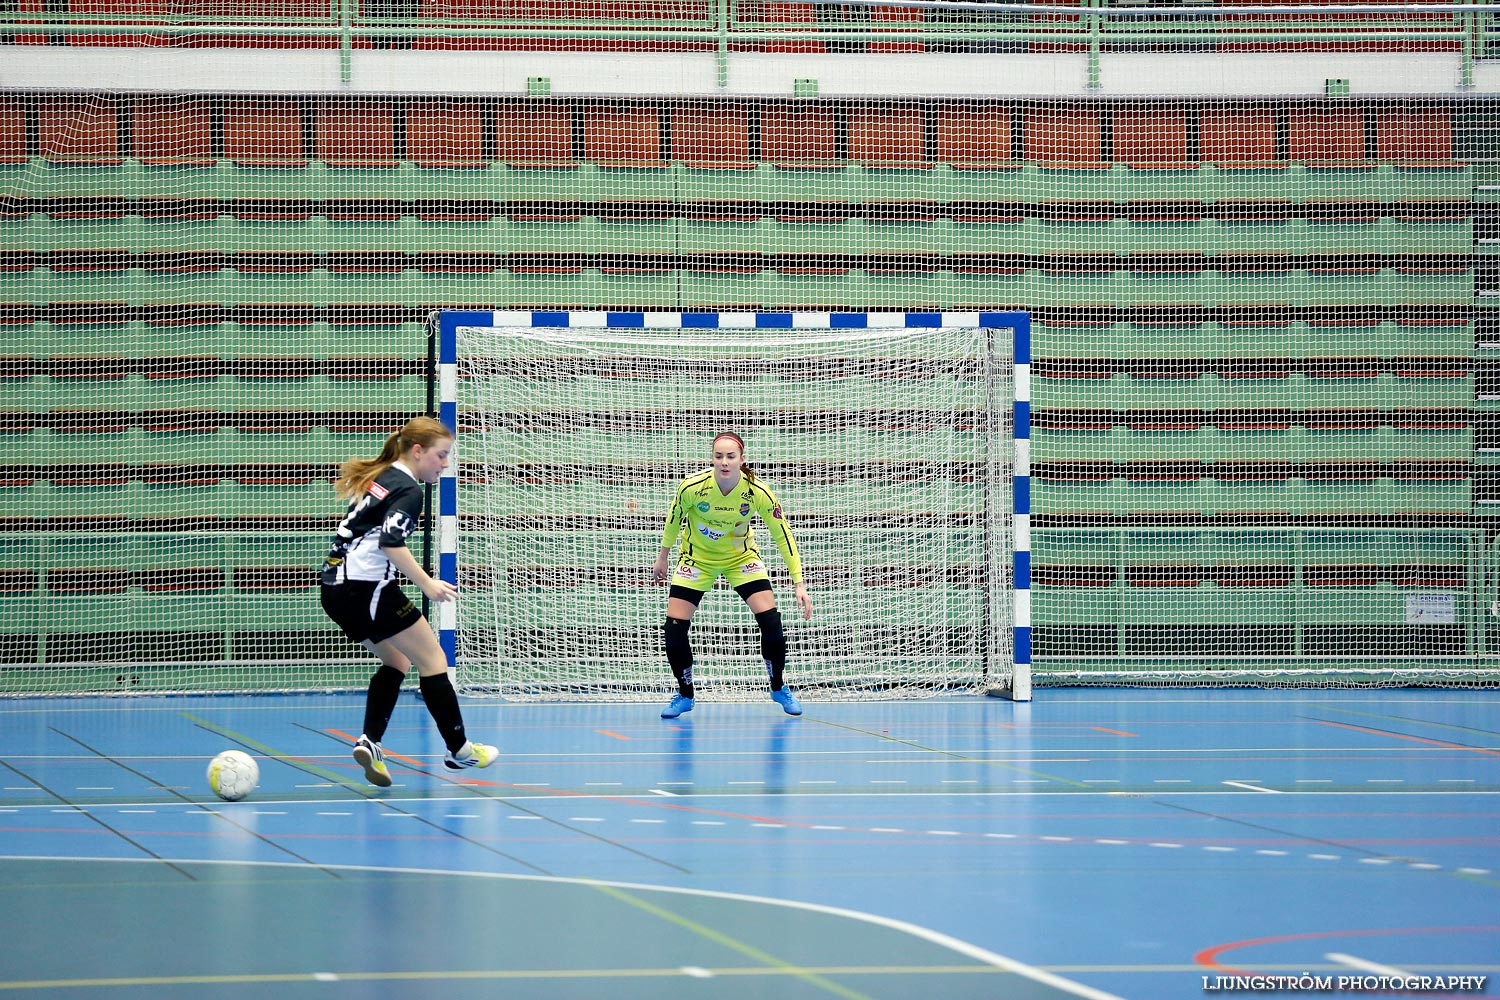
(694, 575)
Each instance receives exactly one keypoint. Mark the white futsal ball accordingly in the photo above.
(233, 775)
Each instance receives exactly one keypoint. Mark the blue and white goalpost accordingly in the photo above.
(890, 437)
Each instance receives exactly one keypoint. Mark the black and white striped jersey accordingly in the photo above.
(387, 515)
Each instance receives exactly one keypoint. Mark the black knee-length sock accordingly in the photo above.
(442, 705)
(380, 700)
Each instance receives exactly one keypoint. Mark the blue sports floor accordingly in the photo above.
(1094, 843)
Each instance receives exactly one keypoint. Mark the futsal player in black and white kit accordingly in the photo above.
(361, 595)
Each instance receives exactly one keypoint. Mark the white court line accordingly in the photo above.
(933, 937)
(974, 755)
(1365, 965)
(852, 792)
(1253, 788)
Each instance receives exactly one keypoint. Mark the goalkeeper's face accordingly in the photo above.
(727, 457)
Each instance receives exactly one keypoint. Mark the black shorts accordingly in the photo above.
(369, 611)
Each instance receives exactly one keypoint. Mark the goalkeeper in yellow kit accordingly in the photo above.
(711, 511)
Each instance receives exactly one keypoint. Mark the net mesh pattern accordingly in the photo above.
(888, 450)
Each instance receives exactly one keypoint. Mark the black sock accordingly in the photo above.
(680, 654)
(772, 646)
(380, 701)
(442, 705)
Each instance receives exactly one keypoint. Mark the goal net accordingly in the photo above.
(891, 449)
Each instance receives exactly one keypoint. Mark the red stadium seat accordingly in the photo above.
(12, 130)
(798, 135)
(264, 132)
(1151, 136)
(912, 18)
(783, 14)
(888, 136)
(172, 131)
(1327, 136)
(445, 133)
(711, 136)
(622, 135)
(355, 133)
(975, 136)
(83, 130)
(1238, 135)
(1062, 135)
(1414, 135)
(533, 134)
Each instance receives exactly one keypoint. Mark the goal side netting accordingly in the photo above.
(892, 449)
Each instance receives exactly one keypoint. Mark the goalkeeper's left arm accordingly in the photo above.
(669, 533)
(774, 518)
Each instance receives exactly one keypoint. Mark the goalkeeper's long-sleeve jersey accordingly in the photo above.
(715, 527)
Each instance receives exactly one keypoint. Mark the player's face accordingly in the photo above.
(727, 458)
(429, 462)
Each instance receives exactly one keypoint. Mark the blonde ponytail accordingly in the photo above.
(356, 475)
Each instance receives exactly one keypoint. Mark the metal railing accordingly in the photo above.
(723, 26)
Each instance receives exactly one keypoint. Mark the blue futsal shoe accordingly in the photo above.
(678, 705)
(788, 701)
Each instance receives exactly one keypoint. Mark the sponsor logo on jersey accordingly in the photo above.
(744, 509)
(704, 507)
(754, 566)
(379, 492)
(687, 572)
(398, 522)
(776, 511)
(710, 533)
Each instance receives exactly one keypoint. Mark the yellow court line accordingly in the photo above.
(676, 973)
(278, 755)
(749, 951)
(1402, 718)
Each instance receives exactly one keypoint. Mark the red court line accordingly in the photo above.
(394, 756)
(617, 736)
(1210, 956)
(1414, 739)
(1115, 731)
